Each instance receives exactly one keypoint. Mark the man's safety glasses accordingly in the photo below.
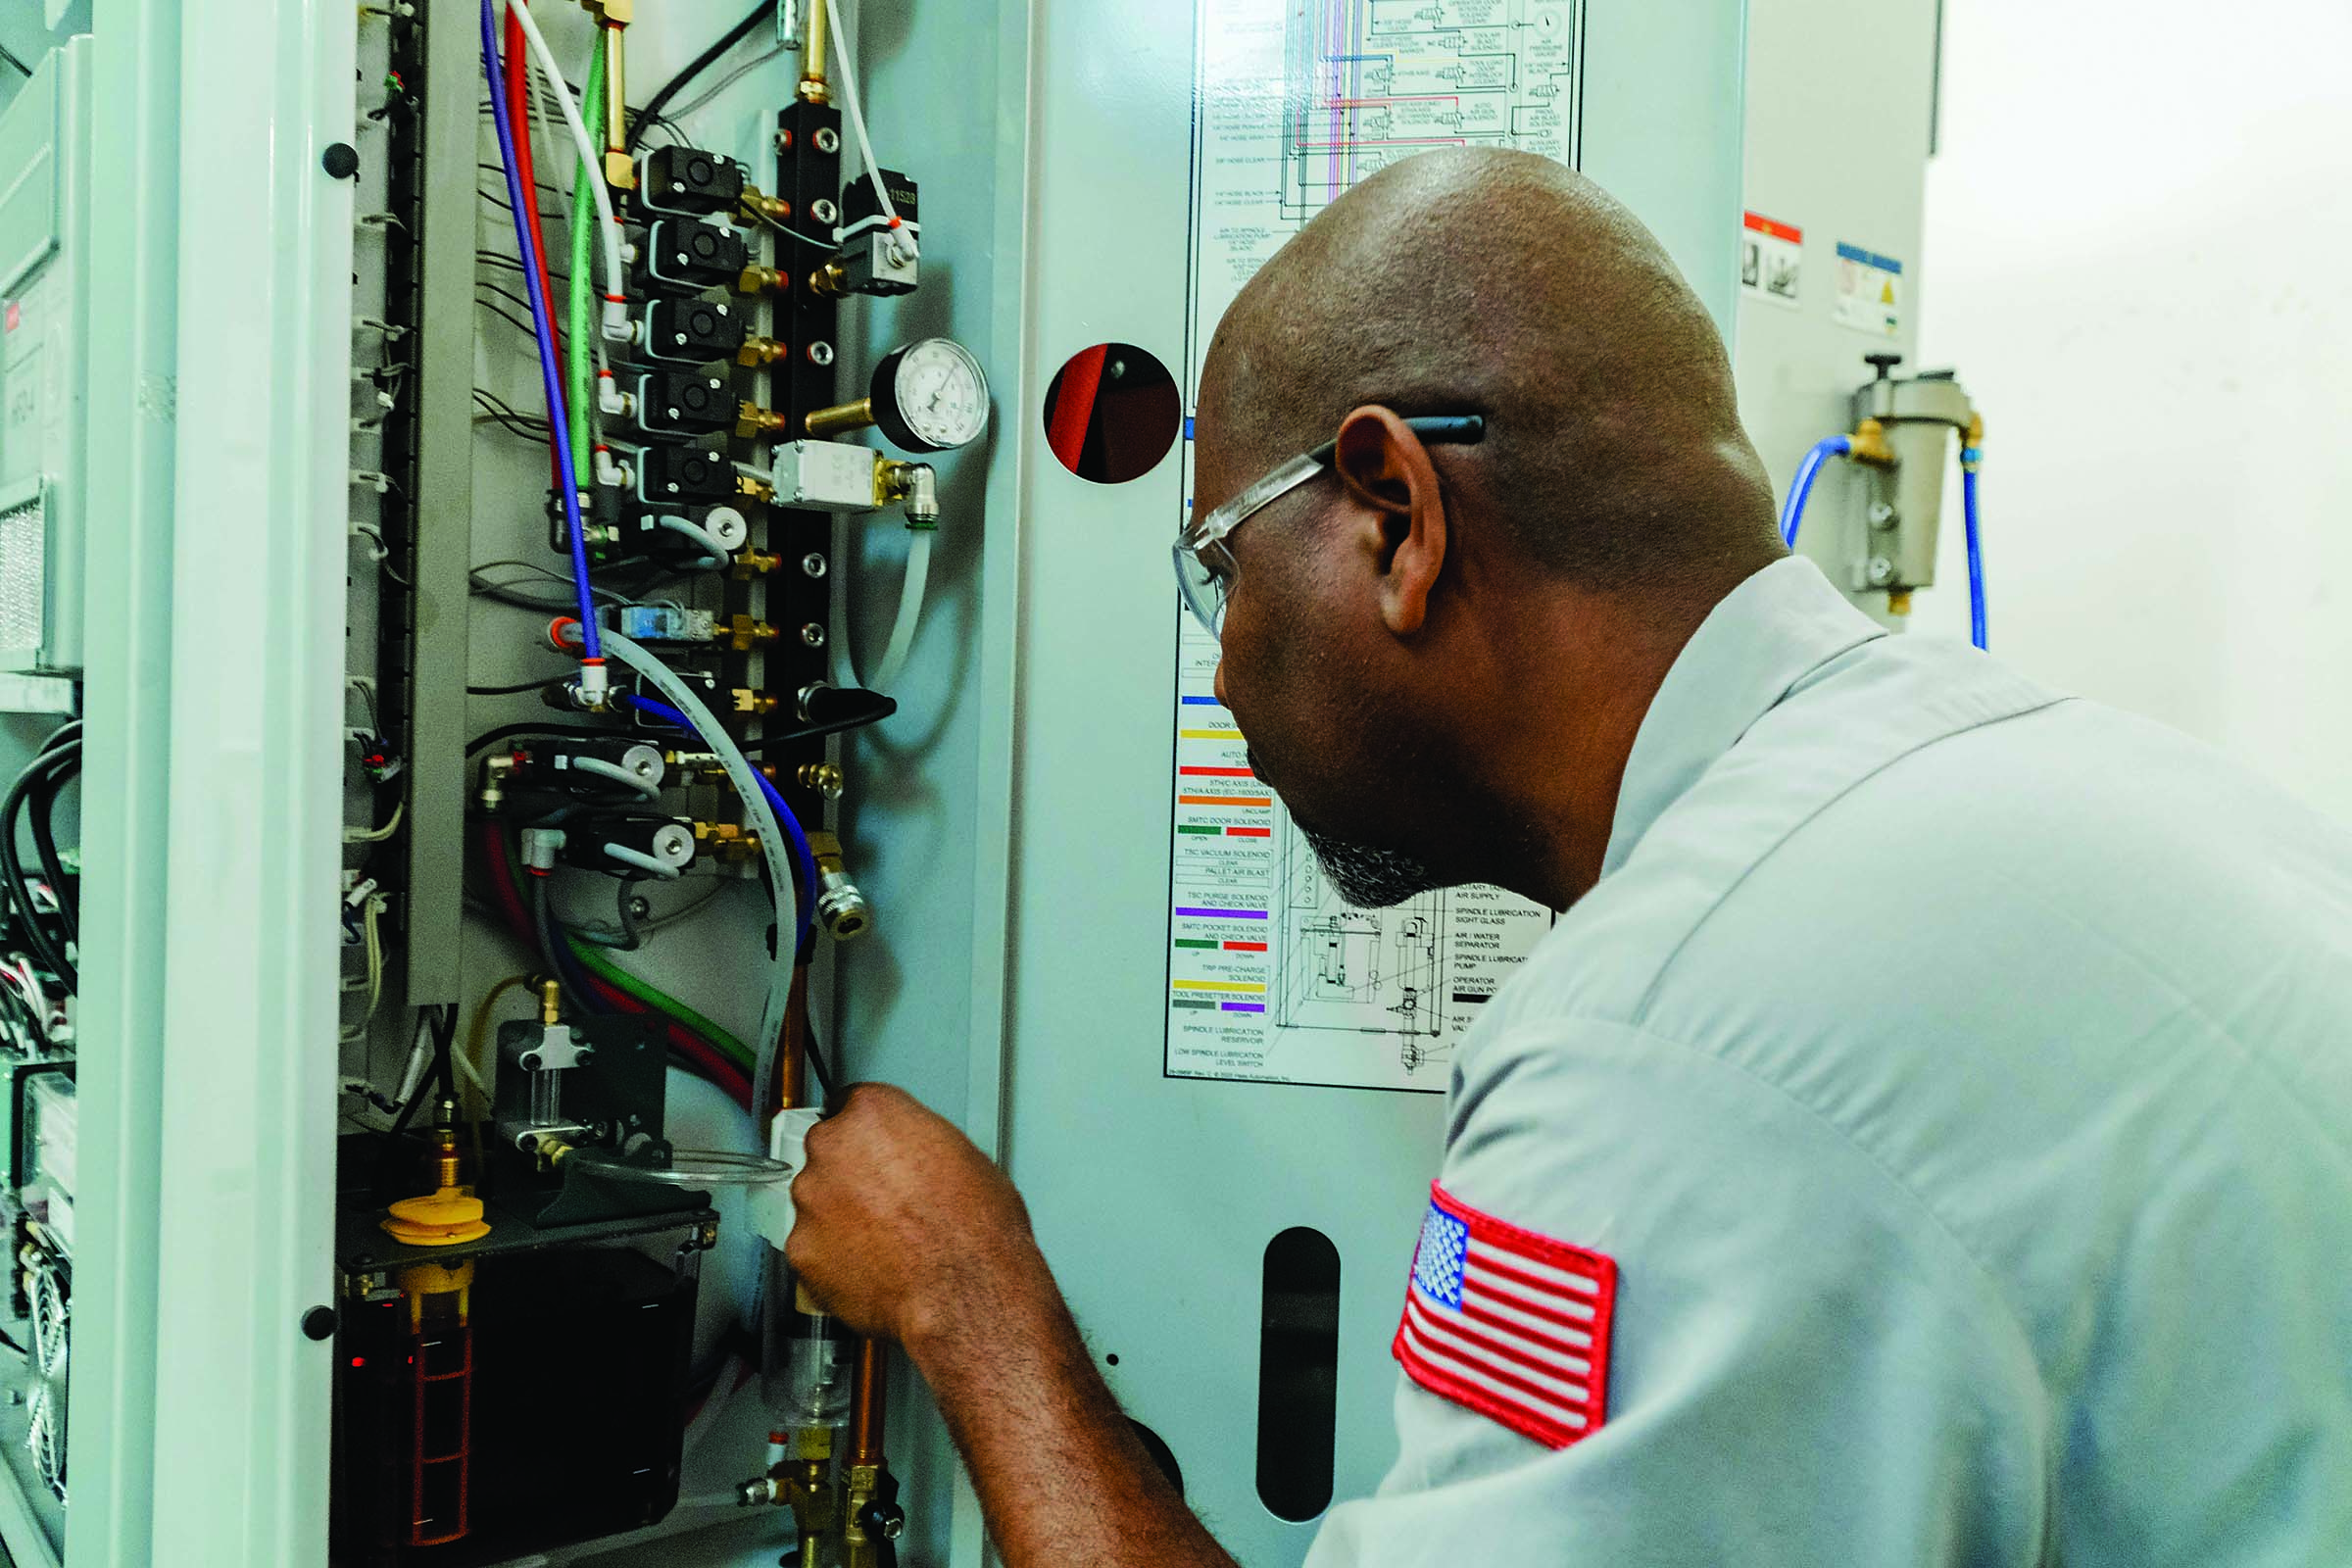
(1204, 566)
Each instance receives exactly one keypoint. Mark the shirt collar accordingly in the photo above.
(1754, 649)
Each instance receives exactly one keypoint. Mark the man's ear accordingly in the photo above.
(1404, 537)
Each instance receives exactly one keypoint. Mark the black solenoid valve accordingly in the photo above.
(688, 182)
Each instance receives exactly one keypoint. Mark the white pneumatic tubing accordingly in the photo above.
(681, 697)
(902, 628)
(616, 309)
(844, 48)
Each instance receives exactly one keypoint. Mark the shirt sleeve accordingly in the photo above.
(1803, 1366)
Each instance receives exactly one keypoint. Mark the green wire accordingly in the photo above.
(595, 963)
(583, 219)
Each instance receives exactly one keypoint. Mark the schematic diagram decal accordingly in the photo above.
(1272, 977)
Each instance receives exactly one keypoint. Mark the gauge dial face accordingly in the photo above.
(939, 394)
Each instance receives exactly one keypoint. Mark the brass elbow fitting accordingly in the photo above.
(760, 352)
(1870, 445)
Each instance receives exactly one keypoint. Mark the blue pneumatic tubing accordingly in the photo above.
(803, 856)
(1976, 556)
(592, 647)
(1801, 489)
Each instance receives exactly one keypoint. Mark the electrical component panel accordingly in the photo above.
(44, 366)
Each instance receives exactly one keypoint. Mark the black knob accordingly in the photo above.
(1883, 362)
(318, 1323)
(340, 159)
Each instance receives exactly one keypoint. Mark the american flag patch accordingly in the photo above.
(1512, 1324)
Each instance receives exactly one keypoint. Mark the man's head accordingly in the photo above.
(1426, 647)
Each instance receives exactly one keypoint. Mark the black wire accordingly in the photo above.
(631, 938)
(12, 874)
(697, 65)
(510, 264)
(514, 688)
(7, 55)
(525, 327)
(551, 948)
(500, 169)
(503, 295)
(43, 802)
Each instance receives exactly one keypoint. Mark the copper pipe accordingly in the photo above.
(792, 1055)
(865, 1405)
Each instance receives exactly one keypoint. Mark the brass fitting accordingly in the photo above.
(762, 352)
(619, 13)
(1870, 445)
(751, 489)
(762, 280)
(830, 281)
(815, 38)
(729, 839)
(840, 908)
(757, 203)
(823, 423)
(743, 633)
(551, 1003)
(752, 421)
(748, 700)
(826, 778)
(497, 768)
(1899, 603)
(755, 563)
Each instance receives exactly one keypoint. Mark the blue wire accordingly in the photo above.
(802, 857)
(1801, 489)
(1975, 557)
(591, 641)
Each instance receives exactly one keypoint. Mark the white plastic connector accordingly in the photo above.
(539, 848)
(594, 684)
(611, 472)
(361, 892)
(611, 400)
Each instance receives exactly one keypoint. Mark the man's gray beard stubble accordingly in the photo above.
(1368, 878)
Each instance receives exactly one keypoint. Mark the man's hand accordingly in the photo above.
(906, 1231)
(902, 1225)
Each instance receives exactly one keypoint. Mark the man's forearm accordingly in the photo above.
(1062, 1479)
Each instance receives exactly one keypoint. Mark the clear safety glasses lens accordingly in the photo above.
(1203, 589)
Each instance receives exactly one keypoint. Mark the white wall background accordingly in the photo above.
(2138, 236)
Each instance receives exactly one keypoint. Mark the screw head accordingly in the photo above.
(812, 565)
(1882, 514)
(813, 635)
(530, 1061)
(1881, 571)
(827, 139)
(820, 354)
(318, 1323)
(640, 906)
(823, 210)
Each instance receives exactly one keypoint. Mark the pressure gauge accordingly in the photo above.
(929, 396)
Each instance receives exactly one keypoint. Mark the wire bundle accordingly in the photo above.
(48, 934)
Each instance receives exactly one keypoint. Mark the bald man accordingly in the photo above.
(1925, 1138)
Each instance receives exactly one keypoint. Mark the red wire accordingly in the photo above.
(518, 116)
(1074, 404)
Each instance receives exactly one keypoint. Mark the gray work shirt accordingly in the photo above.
(1959, 1077)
